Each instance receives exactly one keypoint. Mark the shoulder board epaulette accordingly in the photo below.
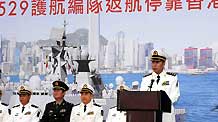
(172, 73)
(69, 103)
(113, 107)
(52, 102)
(4, 104)
(77, 104)
(96, 105)
(147, 75)
(15, 106)
(34, 106)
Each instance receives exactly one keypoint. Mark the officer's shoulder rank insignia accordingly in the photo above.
(147, 75)
(97, 105)
(172, 73)
(0, 111)
(15, 106)
(34, 106)
(4, 104)
(113, 107)
(27, 113)
(76, 105)
(90, 113)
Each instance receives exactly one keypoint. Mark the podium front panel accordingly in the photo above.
(138, 101)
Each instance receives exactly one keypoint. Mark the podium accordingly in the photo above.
(143, 106)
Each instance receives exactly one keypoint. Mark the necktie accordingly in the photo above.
(84, 108)
(23, 109)
(158, 79)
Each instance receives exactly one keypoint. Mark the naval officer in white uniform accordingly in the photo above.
(25, 111)
(87, 111)
(114, 115)
(159, 79)
(3, 110)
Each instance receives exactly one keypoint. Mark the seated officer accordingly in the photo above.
(25, 111)
(87, 111)
(59, 110)
(3, 110)
(114, 115)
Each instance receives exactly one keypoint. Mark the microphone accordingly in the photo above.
(152, 81)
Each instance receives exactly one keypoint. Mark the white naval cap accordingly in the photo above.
(23, 89)
(135, 83)
(111, 85)
(86, 88)
(119, 80)
(158, 55)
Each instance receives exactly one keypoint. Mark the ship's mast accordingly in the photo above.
(60, 57)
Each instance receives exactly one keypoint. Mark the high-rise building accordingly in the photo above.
(206, 57)
(148, 48)
(94, 37)
(1, 56)
(5, 50)
(148, 51)
(110, 57)
(216, 59)
(120, 50)
(141, 56)
(191, 57)
(136, 55)
(129, 54)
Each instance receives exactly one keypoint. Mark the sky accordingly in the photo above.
(173, 31)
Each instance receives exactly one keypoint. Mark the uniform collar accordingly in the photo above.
(162, 74)
(27, 105)
(62, 102)
(89, 104)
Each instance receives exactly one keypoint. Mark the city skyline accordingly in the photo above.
(19, 57)
(179, 51)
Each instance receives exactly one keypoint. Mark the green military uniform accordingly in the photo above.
(55, 112)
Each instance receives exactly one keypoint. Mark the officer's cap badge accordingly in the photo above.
(56, 83)
(155, 52)
(22, 88)
(85, 86)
